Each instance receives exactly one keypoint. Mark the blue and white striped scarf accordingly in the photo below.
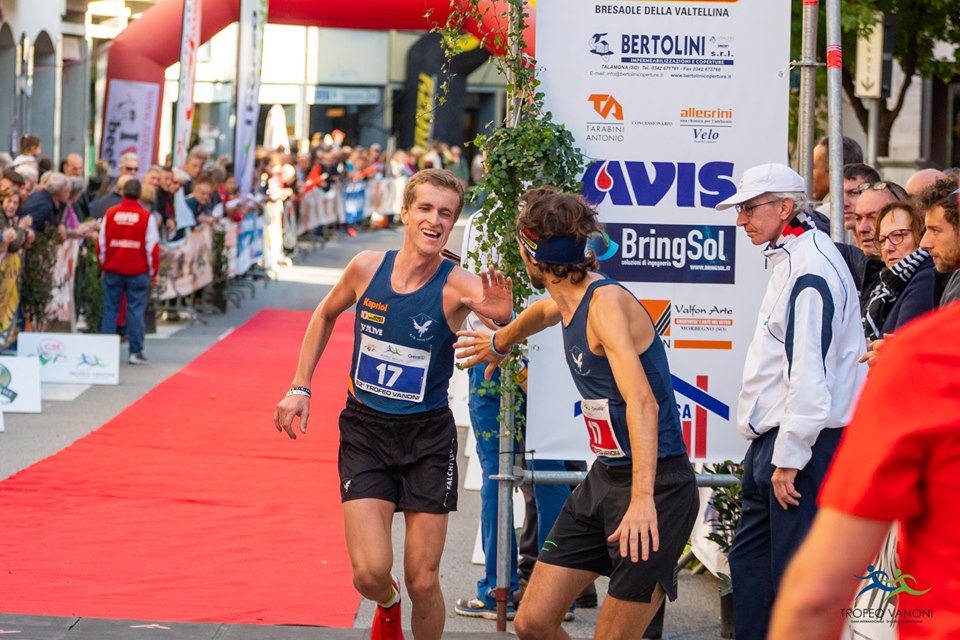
(892, 283)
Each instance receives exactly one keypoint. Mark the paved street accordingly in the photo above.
(29, 438)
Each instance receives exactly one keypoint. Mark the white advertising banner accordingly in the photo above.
(19, 384)
(76, 358)
(253, 19)
(189, 41)
(671, 100)
(130, 122)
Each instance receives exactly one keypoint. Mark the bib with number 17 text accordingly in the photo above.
(391, 370)
(603, 439)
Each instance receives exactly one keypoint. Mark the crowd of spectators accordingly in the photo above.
(37, 198)
(902, 268)
(899, 260)
(328, 164)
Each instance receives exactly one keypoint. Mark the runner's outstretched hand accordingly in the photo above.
(473, 348)
(637, 532)
(497, 301)
(289, 408)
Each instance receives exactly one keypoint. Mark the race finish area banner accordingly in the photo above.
(129, 121)
(671, 101)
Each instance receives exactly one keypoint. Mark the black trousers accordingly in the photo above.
(768, 535)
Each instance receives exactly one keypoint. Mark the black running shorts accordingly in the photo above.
(407, 459)
(593, 512)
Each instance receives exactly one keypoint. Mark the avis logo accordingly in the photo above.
(599, 45)
(605, 105)
(694, 411)
(646, 184)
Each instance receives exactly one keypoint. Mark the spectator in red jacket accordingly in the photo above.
(129, 260)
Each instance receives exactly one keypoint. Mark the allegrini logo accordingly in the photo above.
(708, 116)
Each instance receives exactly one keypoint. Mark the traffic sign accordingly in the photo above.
(874, 60)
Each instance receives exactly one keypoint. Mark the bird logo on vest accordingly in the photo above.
(576, 356)
(423, 324)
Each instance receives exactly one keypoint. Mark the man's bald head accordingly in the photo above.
(923, 179)
(73, 165)
(122, 180)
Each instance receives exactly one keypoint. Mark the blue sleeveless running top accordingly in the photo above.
(403, 346)
(604, 409)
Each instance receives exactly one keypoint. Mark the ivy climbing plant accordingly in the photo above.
(36, 278)
(527, 150)
(88, 287)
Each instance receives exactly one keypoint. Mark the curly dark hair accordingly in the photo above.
(551, 214)
(939, 195)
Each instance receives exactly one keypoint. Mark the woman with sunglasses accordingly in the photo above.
(905, 289)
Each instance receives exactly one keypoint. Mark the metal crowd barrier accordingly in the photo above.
(527, 476)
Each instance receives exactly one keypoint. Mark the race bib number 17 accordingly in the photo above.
(603, 439)
(390, 370)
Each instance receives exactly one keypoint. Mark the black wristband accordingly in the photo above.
(513, 317)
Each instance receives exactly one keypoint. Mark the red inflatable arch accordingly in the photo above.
(152, 43)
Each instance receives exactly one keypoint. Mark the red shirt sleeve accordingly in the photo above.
(910, 403)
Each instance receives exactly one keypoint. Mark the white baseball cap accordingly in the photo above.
(765, 178)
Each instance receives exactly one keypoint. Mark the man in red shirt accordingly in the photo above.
(129, 257)
(899, 461)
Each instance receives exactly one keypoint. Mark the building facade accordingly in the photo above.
(52, 74)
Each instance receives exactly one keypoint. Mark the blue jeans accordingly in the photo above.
(485, 418)
(137, 289)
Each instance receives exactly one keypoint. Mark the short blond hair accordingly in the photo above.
(440, 178)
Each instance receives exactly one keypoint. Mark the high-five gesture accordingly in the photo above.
(497, 300)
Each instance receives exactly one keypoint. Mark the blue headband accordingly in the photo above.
(558, 250)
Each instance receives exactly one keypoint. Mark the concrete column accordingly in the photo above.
(8, 86)
(74, 109)
(43, 98)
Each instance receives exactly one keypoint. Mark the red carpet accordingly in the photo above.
(189, 506)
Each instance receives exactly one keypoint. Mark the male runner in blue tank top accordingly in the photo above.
(398, 440)
(632, 516)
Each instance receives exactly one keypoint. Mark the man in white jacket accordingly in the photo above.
(800, 379)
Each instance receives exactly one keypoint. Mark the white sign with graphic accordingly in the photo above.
(75, 358)
(19, 385)
(130, 121)
(671, 101)
(189, 42)
(253, 20)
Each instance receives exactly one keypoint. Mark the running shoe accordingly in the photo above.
(386, 622)
(477, 608)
